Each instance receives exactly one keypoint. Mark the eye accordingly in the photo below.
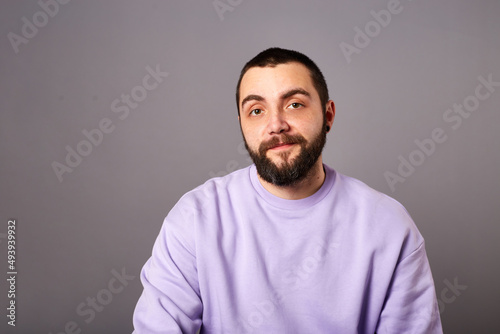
(295, 105)
(256, 112)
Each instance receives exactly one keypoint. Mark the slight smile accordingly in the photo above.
(281, 146)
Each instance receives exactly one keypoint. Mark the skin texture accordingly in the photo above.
(276, 102)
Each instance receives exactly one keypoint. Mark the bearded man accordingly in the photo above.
(287, 245)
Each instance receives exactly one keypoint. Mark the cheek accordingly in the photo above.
(315, 124)
(252, 128)
(306, 126)
(250, 135)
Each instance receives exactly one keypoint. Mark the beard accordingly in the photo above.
(288, 173)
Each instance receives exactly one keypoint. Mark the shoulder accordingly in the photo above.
(203, 203)
(212, 195)
(381, 215)
(218, 188)
(359, 193)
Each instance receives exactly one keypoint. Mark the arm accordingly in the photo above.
(170, 302)
(411, 304)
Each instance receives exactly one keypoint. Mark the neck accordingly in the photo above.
(305, 188)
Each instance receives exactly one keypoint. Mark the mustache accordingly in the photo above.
(282, 139)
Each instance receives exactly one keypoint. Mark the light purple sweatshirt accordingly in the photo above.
(233, 258)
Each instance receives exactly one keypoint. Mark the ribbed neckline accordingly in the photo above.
(298, 204)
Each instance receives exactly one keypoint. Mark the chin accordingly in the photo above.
(282, 158)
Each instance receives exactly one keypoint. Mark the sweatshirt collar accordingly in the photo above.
(297, 204)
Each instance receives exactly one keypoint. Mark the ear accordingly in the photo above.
(330, 113)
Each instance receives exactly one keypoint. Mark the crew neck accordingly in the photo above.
(293, 204)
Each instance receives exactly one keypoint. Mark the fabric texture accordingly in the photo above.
(233, 258)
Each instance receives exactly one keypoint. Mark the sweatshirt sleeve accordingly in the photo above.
(170, 302)
(411, 304)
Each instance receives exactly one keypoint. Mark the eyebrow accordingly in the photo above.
(285, 95)
(293, 92)
(251, 97)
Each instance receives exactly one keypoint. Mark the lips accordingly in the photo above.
(281, 145)
(281, 142)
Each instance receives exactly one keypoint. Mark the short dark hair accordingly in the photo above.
(276, 56)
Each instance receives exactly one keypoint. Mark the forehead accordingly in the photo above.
(274, 80)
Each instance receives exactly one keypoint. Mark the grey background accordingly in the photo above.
(106, 213)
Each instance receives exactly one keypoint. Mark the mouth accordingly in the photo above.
(281, 146)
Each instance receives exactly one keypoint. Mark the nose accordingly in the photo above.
(277, 123)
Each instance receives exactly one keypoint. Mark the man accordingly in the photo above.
(287, 245)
